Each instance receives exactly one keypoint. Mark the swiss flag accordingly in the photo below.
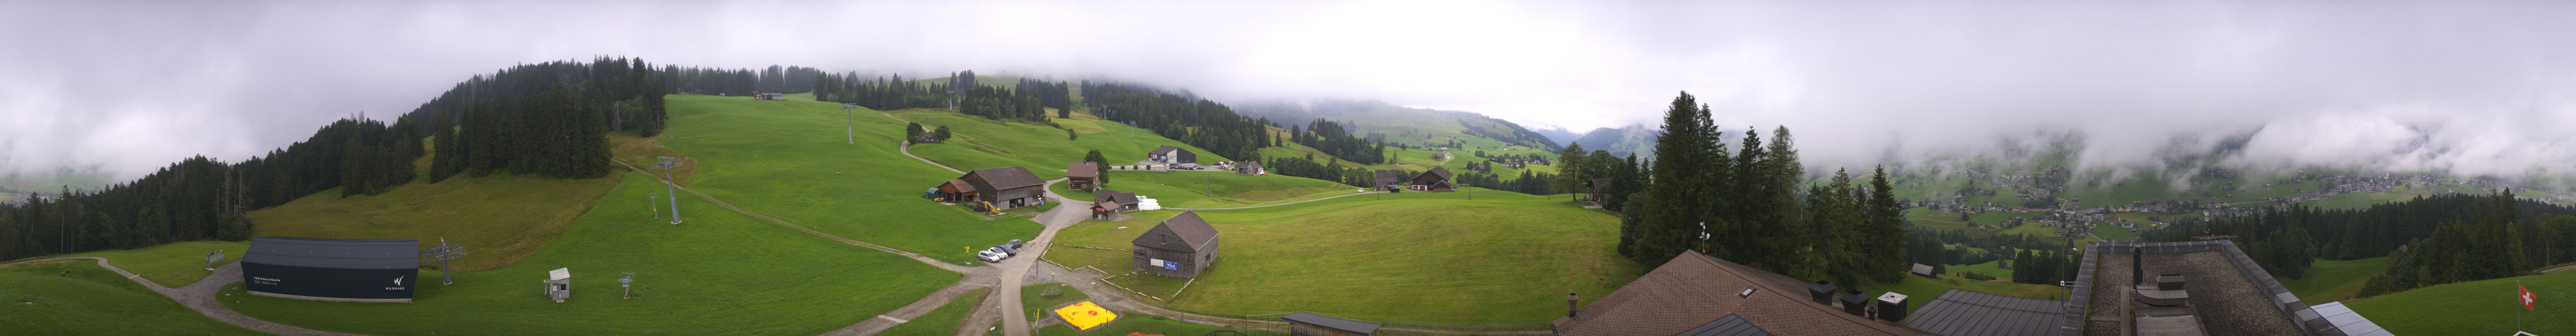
(2527, 298)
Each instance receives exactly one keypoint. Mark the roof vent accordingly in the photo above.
(1822, 292)
(1854, 304)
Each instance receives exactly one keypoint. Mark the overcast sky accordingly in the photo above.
(2470, 87)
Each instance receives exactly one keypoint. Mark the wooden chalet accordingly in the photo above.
(1597, 186)
(1006, 187)
(1082, 175)
(1180, 247)
(1389, 179)
(1434, 180)
(1172, 155)
(1249, 168)
(1107, 203)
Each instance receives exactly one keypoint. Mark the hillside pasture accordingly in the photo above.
(720, 273)
(77, 297)
(2484, 307)
(171, 265)
(1494, 258)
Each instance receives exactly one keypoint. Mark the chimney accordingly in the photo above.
(1570, 298)
(2137, 266)
(1822, 292)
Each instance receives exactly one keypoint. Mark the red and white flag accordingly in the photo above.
(2527, 298)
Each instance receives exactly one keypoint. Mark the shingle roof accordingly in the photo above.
(334, 253)
(1184, 232)
(1004, 177)
(1966, 313)
(1443, 172)
(1730, 325)
(1082, 169)
(1335, 323)
(1694, 289)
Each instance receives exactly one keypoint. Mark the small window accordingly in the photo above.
(1748, 291)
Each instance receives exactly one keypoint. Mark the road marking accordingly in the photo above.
(891, 318)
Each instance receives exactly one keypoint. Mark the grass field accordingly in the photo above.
(500, 218)
(721, 273)
(788, 159)
(1220, 189)
(940, 321)
(1920, 291)
(985, 143)
(1498, 257)
(2335, 280)
(2485, 307)
(2360, 200)
(1994, 268)
(171, 265)
(41, 299)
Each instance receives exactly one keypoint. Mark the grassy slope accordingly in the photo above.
(1192, 189)
(2335, 280)
(171, 265)
(500, 218)
(2485, 307)
(91, 300)
(985, 143)
(1492, 258)
(783, 159)
(940, 321)
(703, 277)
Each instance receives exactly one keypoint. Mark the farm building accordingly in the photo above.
(1922, 270)
(1312, 324)
(1390, 179)
(1006, 187)
(768, 96)
(1597, 186)
(1082, 175)
(1180, 247)
(956, 191)
(1249, 168)
(1695, 294)
(356, 270)
(1108, 202)
(1173, 155)
(1434, 180)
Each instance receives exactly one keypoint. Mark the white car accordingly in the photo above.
(992, 255)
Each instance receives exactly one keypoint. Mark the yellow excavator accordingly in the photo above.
(989, 209)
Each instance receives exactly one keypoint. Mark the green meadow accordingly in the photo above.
(1492, 256)
(2484, 307)
(79, 298)
(702, 277)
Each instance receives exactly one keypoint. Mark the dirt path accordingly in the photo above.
(1280, 204)
(201, 296)
(905, 315)
(1065, 214)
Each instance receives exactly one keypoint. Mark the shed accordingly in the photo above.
(1249, 168)
(1180, 247)
(1005, 187)
(1123, 201)
(1312, 324)
(356, 270)
(1392, 180)
(1082, 175)
(1922, 270)
(957, 191)
(1434, 180)
(559, 284)
(1172, 155)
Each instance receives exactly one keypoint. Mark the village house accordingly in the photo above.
(1390, 179)
(1108, 203)
(1082, 175)
(1173, 155)
(1434, 180)
(1597, 186)
(1180, 247)
(1006, 187)
(1249, 168)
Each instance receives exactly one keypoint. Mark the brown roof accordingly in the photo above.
(1121, 197)
(1694, 289)
(962, 186)
(1184, 232)
(1442, 171)
(1003, 178)
(1246, 165)
(1082, 169)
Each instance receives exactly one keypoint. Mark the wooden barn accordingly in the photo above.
(1107, 202)
(1597, 186)
(957, 191)
(1248, 168)
(1389, 179)
(1180, 247)
(1082, 175)
(1006, 187)
(1172, 155)
(1434, 180)
(1312, 324)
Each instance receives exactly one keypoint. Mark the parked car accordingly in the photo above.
(993, 255)
(1015, 244)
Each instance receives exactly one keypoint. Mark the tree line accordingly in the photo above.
(547, 118)
(1750, 207)
(881, 93)
(740, 82)
(1329, 137)
(1189, 119)
(2500, 235)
